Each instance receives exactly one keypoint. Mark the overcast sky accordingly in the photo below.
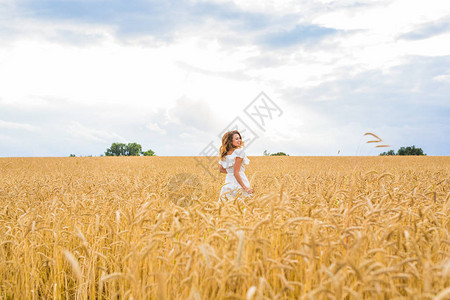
(76, 76)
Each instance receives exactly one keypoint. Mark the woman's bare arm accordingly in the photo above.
(222, 169)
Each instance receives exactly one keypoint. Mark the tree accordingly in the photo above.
(279, 154)
(149, 152)
(133, 149)
(266, 153)
(130, 149)
(390, 152)
(410, 150)
(117, 149)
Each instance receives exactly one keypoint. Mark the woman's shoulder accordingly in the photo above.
(239, 152)
(236, 152)
(229, 159)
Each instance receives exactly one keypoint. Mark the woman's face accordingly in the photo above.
(236, 142)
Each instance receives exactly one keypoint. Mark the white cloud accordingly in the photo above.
(197, 81)
(443, 78)
(389, 18)
(154, 127)
(15, 125)
(77, 130)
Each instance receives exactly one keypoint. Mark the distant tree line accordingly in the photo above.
(266, 153)
(130, 149)
(121, 149)
(410, 150)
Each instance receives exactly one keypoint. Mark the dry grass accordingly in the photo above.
(317, 228)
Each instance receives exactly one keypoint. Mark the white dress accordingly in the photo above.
(231, 188)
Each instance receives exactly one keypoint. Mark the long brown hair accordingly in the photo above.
(227, 145)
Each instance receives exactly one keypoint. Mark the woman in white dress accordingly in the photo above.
(232, 162)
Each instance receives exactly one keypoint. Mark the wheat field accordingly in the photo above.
(151, 228)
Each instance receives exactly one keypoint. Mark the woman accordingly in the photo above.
(232, 161)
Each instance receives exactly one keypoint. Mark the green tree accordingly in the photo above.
(149, 152)
(390, 152)
(279, 154)
(266, 153)
(116, 149)
(410, 150)
(130, 149)
(133, 149)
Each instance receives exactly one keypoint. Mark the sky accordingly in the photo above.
(301, 77)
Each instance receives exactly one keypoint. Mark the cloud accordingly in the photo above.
(172, 74)
(443, 77)
(15, 125)
(404, 104)
(75, 129)
(185, 114)
(162, 22)
(307, 33)
(154, 127)
(234, 74)
(160, 19)
(429, 29)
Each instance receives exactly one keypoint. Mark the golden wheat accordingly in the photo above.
(151, 228)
